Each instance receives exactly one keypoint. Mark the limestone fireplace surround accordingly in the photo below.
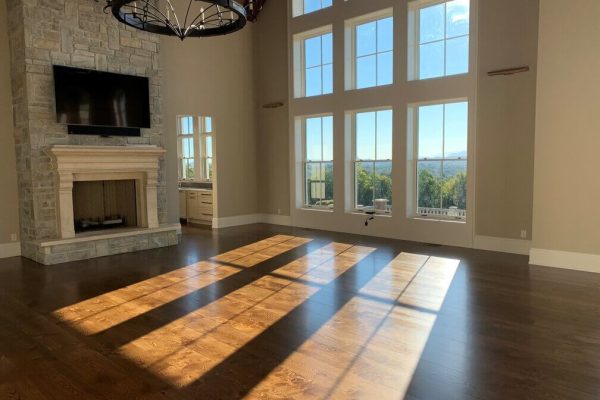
(104, 163)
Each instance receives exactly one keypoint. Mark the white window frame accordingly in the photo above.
(299, 61)
(414, 8)
(305, 162)
(356, 161)
(298, 8)
(350, 47)
(200, 154)
(435, 214)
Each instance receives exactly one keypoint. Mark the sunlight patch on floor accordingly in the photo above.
(204, 338)
(371, 347)
(100, 313)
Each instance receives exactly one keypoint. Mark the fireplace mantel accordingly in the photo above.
(101, 163)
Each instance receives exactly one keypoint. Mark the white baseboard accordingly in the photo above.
(10, 249)
(565, 259)
(228, 222)
(238, 220)
(502, 245)
(273, 219)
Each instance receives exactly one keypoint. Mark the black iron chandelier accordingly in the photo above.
(185, 18)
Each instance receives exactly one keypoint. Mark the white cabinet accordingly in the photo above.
(198, 206)
(182, 204)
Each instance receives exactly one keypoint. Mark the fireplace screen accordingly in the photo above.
(104, 205)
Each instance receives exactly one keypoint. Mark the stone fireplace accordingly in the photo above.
(111, 167)
(104, 186)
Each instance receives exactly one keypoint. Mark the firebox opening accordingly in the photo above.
(101, 205)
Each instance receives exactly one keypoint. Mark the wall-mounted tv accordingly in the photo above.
(101, 103)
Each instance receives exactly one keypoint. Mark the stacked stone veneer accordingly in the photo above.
(75, 33)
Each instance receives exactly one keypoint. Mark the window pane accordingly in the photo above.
(209, 147)
(327, 138)
(431, 131)
(312, 52)
(313, 81)
(385, 34)
(327, 199)
(457, 18)
(327, 79)
(366, 39)
(187, 125)
(385, 69)
(364, 184)
(365, 136)
(327, 50)
(431, 26)
(187, 147)
(454, 190)
(188, 171)
(366, 72)
(429, 184)
(313, 139)
(431, 60)
(326, 3)
(456, 130)
(384, 135)
(207, 124)
(209, 168)
(315, 183)
(457, 56)
(311, 5)
(383, 182)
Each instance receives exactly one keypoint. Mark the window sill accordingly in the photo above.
(319, 209)
(377, 213)
(438, 219)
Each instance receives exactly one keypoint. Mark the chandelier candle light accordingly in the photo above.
(201, 18)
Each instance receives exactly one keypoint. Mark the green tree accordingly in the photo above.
(454, 191)
(429, 189)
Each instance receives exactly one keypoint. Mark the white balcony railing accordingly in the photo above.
(448, 213)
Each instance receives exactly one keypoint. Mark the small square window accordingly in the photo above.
(301, 7)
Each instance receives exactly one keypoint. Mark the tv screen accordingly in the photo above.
(101, 99)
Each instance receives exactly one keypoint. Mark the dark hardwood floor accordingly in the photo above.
(272, 312)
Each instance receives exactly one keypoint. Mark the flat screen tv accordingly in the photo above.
(95, 102)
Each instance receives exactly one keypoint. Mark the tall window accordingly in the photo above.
(195, 148)
(186, 148)
(442, 160)
(374, 53)
(317, 68)
(373, 160)
(441, 45)
(318, 162)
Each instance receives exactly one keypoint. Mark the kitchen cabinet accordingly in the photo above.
(198, 206)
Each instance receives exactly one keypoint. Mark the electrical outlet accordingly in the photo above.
(13, 237)
(523, 234)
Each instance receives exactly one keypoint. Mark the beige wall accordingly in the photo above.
(271, 72)
(506, 118)
(9, 210)
(567, 145)
(214, 77)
